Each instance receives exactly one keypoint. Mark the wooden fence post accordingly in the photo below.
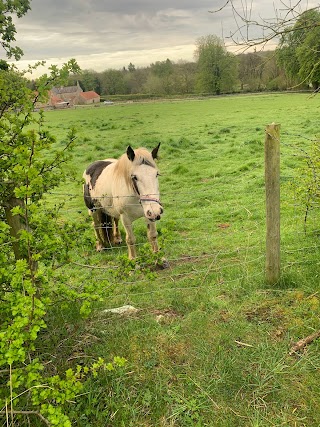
(272, 183)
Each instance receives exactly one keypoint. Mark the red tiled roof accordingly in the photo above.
(89, 95)
(55, 99)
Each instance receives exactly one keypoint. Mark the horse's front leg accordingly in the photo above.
(152, 235)
(130, 239)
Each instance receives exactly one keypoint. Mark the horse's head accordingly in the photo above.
(144, 177)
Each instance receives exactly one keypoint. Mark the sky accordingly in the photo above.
(103, 34)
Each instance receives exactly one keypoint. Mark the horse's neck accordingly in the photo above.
(123, 180)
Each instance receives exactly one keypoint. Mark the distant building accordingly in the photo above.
(90, 97)
(68, 96)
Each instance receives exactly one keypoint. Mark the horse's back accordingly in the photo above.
(96, 181)
(95, 169)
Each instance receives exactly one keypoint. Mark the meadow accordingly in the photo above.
(209, 342)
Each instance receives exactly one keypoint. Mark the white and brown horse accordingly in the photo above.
(125, 189)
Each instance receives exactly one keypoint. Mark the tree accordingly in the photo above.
(273, 77)
(134, 80)
(250, 71)
(4, 65)
(309, 59)
(299, 48)
(88, 80)
(295, 25)
(162, 68)
(184, 77)
(31, 242)
(131, 68)
(30, 166)
(259, 71)
(153, 85)
(254, 29)
(217, 68)
(112, 82)
(162, 73)
(8, 8)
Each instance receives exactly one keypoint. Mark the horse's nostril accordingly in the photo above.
(158, 217)
(149, 213)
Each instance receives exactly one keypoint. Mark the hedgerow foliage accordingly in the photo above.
(307, 185)
(30, 239)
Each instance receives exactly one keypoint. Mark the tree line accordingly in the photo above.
(249, 72)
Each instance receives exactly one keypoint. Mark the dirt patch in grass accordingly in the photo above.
(166, 315)
(269, 312)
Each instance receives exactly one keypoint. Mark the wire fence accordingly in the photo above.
(211, 236)
(207, 239)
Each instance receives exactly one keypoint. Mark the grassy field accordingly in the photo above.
(209, 343)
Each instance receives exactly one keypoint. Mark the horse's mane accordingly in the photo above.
(124, 166)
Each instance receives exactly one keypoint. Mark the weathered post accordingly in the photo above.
(272, 183)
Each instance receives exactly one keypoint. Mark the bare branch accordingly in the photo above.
(303, 342)
(221, 8)
(270, 28)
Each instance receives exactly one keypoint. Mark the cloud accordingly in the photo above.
(77, 27)
(103, 34)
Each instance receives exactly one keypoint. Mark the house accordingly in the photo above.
(90, 97)
(68, 96)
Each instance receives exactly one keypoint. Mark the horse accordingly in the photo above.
(127, 189)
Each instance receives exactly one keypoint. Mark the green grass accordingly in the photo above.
(210, 343)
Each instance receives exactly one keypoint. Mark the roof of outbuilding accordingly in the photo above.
(55, 99)
(89, 95)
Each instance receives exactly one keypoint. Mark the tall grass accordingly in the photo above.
(209, 344)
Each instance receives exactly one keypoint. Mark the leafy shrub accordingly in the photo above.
(32, 243)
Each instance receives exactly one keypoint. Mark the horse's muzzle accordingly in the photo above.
(155, 219)
(152, 216)
(152, 210)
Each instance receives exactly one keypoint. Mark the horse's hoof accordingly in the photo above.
(99, 247)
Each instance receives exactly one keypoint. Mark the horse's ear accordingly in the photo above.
(130, 153)
(154, 152)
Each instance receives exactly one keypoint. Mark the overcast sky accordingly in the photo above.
(102, 34)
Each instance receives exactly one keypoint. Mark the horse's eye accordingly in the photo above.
(134, 177)
(158, 174)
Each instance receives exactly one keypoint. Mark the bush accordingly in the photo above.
(32, 242)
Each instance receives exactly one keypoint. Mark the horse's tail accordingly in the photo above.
(103, 223)
(87, 197)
